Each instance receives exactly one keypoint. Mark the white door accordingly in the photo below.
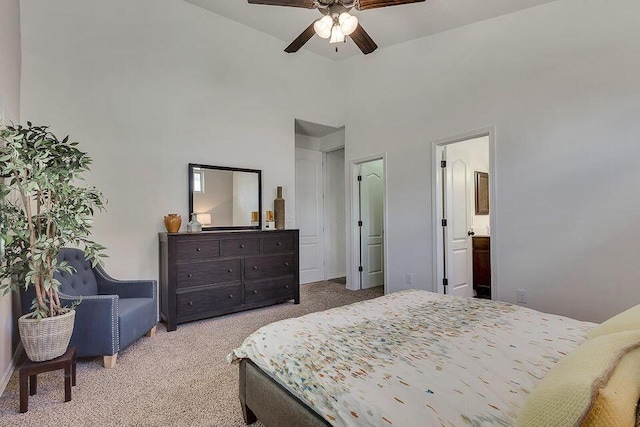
(309, 214)
(372, 230)
(458, 213)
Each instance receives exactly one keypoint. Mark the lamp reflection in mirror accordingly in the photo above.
(204, 218)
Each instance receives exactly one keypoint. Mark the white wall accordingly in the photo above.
(560, 83)
(10, 102)
(151, 85)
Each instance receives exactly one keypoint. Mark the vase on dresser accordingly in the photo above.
(194, 226)
(172, 223)
(278, 207)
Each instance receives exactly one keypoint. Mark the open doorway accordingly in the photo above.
(320, 196)
(368, 229)
(464, 185)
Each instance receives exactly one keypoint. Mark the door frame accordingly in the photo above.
(436, 191)
(354, 281)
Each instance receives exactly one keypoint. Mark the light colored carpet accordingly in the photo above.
(177, 378)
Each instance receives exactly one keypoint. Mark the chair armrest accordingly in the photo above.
(124, 288)
(96, 328)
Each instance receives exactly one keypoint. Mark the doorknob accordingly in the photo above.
(470, 233)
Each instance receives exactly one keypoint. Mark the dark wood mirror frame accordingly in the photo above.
(224, 168)
(482, 193)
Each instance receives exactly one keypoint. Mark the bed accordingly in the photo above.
(412, 358)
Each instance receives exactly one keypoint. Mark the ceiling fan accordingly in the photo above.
(337, 23)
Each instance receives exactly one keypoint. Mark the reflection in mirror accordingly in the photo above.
(225, 198)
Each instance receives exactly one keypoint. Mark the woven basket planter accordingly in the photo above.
(48, 338)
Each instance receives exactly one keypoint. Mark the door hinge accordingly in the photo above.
(445, 284)
(444, 222)
(443, 163)
(359, 177)
(360, 269)
(359, 223)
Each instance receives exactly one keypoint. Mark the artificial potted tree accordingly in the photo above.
(42, 209)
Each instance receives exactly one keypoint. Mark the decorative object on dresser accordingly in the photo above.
(481, 266)
(226, 197)
(215, 273)
(278, 206)
(194, 226)
(172, 223)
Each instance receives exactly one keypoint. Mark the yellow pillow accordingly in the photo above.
(598, 384)
(625, 321)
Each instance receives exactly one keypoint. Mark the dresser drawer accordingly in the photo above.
(265, 267)
(278, 243)
(270, 290)
(194, 304)
(207, 273)
(201, 249)
(239, 247)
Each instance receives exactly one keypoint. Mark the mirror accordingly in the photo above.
(225, 198)
(482, 193)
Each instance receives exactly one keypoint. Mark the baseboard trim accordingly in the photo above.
(10, 369)
(336, 276)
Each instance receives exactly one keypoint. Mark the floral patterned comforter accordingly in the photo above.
(414, 358)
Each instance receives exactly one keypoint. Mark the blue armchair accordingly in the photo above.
(112, 314)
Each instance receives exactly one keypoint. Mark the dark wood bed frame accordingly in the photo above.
(263, 399)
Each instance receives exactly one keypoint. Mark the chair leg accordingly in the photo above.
(110, 361)
(151, 333)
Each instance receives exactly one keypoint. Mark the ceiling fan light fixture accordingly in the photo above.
(337, 35)
(348, 23)
(323, 27)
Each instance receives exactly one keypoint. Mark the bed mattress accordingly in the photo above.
(414, 358)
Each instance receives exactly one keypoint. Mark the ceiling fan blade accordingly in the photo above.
(374, 4)
(301, 40)
(308, 4)
(363, 40)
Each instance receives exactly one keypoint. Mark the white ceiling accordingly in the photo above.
(315, 130)
(387, 26)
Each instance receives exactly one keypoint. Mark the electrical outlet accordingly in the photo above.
(409, 278)
(521, 296)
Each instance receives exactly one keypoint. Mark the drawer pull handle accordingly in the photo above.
(286, 286)
(279, 244)
(241, 246)
(190, 302)
(255, 292)
(189, 275)
(230, 296)
(198, 249)
(286, 264)
(230, 270)
(255, 267)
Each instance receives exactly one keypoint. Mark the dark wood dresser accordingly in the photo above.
(481, 266)
(213, 273)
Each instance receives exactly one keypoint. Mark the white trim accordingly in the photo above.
(353, 282)
(436, 180)
(337, 276)
(10, 369)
